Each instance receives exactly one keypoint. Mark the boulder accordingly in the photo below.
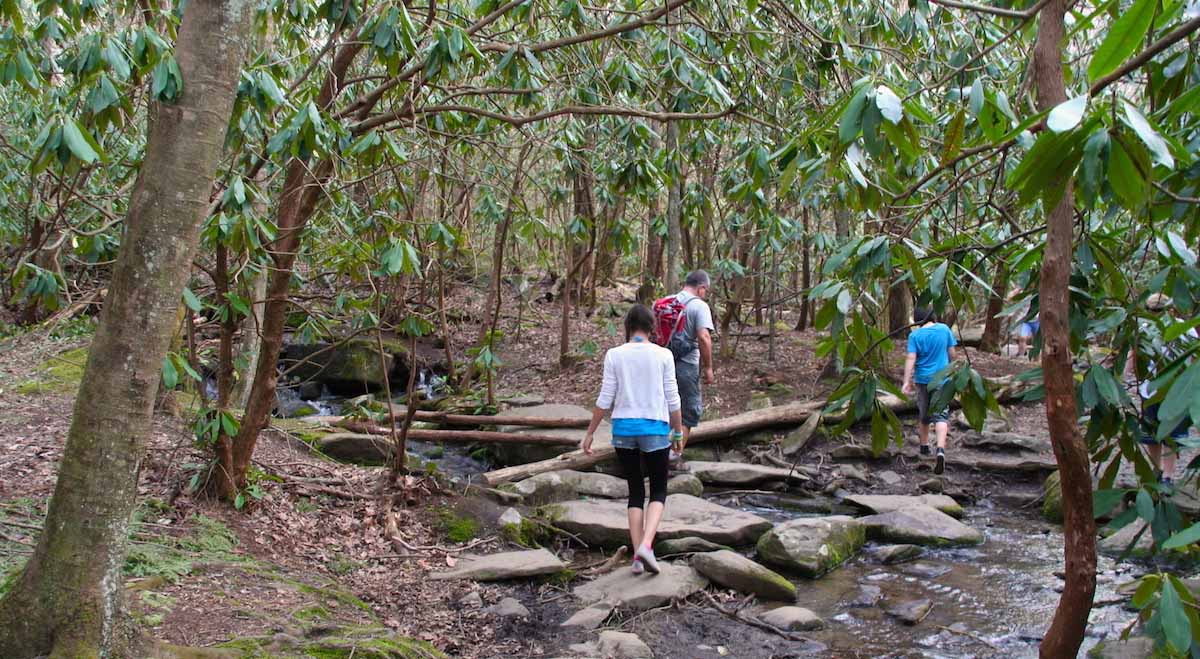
(513, 454)
(508, 608)
(606, 522)
(640, 592)
(589, 617)
(735, 571)
(1052, 499)
(865, 597)
(920, 525)
(912, 611)
(510, 516)
(812, 546)
(622, 645)
(886, 503)
(1135, 647)
(890, 477)
(894, 554)
(792, 619)
(507, 565)
(737, 474)
(346, 369)
(685, 546)
(1115, 544)
(797, 440)
(685, 484)
(859, 452)
(933, 485)
(564, 485)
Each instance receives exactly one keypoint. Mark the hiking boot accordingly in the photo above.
(637, 566)
(925, 451)
(646, 555)
(940, 465)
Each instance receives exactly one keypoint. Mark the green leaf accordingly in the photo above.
(975, 102)
(80, 146)
(1182, 394)
(1175, 623)
(1103, 501)
(954, 136)
(1123, 39)
(938, 279)
(1145, 505)
(1184, 538)
(190, 299)
(851, 121)
(1067, 115)
(1124, 177)
(1150, 137)
(888, 104)
(170, 376)
(844, 301)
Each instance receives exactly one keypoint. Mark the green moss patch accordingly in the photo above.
(61, 373)
(367, 642)
(457, 527)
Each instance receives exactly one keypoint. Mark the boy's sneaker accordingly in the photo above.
(646, 555)
(637, 566)
(940, 465)
(925, 451)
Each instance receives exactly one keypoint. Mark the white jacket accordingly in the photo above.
(639, 382)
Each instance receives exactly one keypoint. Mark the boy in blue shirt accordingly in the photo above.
(930, 349)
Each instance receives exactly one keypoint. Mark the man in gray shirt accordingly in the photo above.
(698, 325)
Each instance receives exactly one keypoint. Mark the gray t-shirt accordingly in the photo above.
(698, 316)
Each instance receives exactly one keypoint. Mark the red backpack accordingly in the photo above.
(669, 319)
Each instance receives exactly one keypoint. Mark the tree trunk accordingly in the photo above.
(674, 206)
(806, 283)
(899, 309)
(992, 335)
(652, 265)
(68, 601)
(298, 201)
(251, 341)
(1079, 526)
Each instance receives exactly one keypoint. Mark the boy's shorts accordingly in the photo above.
(924, 396)
(1150, 426)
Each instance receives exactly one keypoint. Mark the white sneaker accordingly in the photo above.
(637, 566)
(646, 555)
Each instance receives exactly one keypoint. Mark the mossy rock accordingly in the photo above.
(1052, 506)
(457, 528)
(61, 373)
(357, 642)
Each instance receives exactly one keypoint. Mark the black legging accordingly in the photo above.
(656, 469)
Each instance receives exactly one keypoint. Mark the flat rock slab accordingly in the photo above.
(926, 570)
(640, 592)
(895, 554)
(686, 546)
(606, 523)
(1023, 461)
(1116, 544)
(589, 617)
(735, 571)
(886, 503)
(920, 525)
(1006, 441)
(741, 474)
(508, 565)
(622, 645)
(812, 546)
(911, 612)
(792, 619)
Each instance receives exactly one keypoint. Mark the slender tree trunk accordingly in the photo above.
(301, 192)
(251, 341)
(1066, 631)
(806, 283)
(674, 207)
(992, 334)
(899, 308)
(68, 601)
(652, 265)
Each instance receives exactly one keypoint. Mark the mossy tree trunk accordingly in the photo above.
(68, 600)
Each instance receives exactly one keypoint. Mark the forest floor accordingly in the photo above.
(311, 555)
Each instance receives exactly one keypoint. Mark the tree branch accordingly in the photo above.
(1145, 56)
(518, 121)
(985, 9)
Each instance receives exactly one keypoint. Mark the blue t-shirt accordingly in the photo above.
(639, 427)
(932, 345)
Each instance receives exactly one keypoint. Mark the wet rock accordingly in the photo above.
(920, 525)
(796, 441)
(1136, 647)
(925, 570)
(889, 477)
(640, 592)
(510, 454)
(735, 571)
(793, 619)
(472, 600)
(507, 565)
(685, 484)
(606, 523)
(911, 612)
(933, 485)
(865, 597)
(1052, 499)
(310, 390)
(798, 502)
(508, 608)
(622, 645)
(590, 617)
(812, 546)
(895, 554)
(685, 546)
(858, 452)
(738, 474)
(1022, 462)
(886, 503)
(347, 369)
(852, 472)
(1116, 544)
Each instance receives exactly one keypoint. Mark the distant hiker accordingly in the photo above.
(639, 387)
(684, 324)
(1164, 461)
(930, 349)
(1026, 332)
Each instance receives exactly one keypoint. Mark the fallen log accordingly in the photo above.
(790, 414)
(467, 420)
(462, 436)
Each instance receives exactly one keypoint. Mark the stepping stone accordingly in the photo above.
(640, 592)
(1023, 461)
(858, 452)
(865, 597)
(738, 474)
(508, 608)
(793, 619)
(886, 503)
(1136, 647)
(1006, 441)
(812, 546)
(924, 570)
(508, 565)
(895, 554)
(511, 454)
(890, 477)
(622, 645)
(590, 617)
(920, 525)
(564, 485)
(1115, 544)
(684, 484)
(735, 571)
(686, 546)
(911, 612)
(606, 523)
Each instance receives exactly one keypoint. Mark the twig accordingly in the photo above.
(969, 635)
(754, 622)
